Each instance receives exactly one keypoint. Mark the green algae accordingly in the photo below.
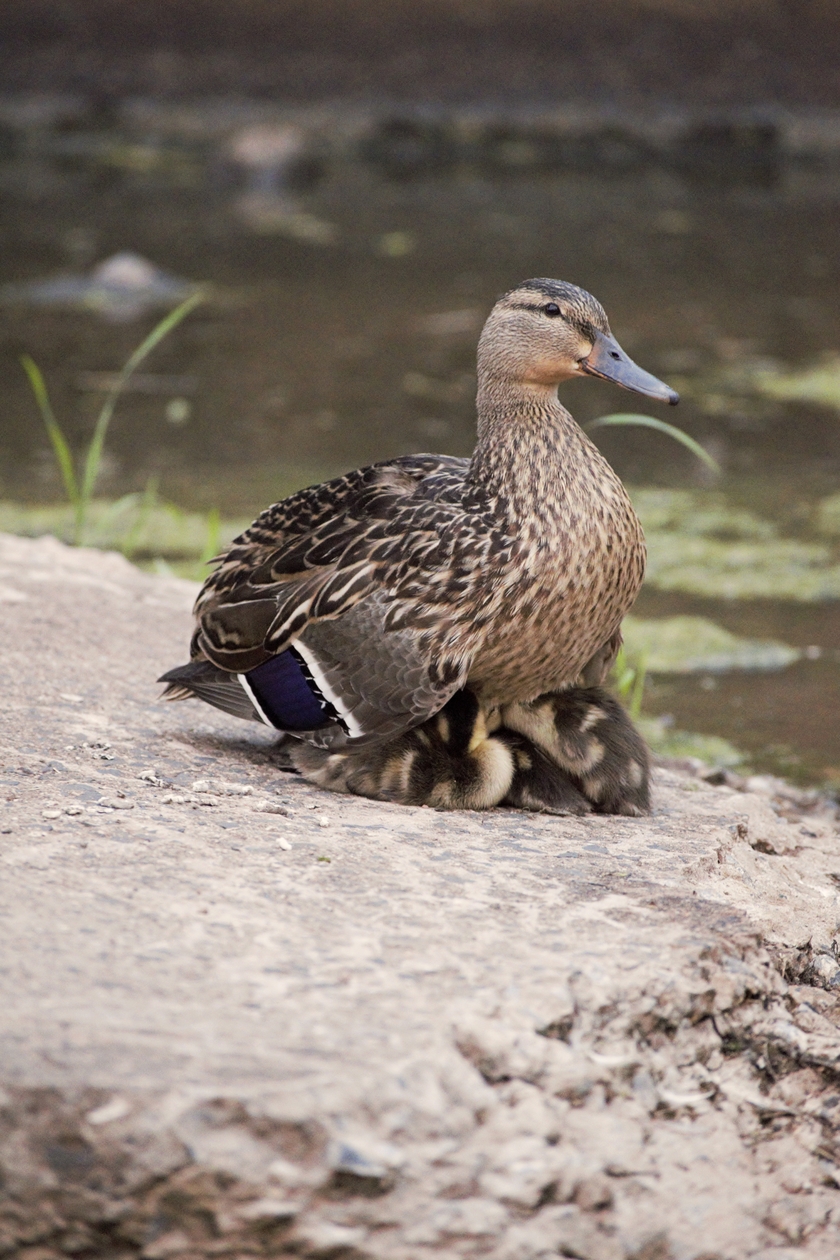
(701, 544)
(697, 513)
(760, 382)
(686, 645)
(139, 530)
(781, 569)
(665, 741)
(827, 516)
(818, 385)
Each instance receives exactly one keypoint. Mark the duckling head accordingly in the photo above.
(547, 331)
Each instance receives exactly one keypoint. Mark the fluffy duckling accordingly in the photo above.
(588, 735)
(570, 753)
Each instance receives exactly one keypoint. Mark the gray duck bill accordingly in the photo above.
(607, 360)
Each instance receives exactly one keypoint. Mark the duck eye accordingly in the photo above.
(552, 309)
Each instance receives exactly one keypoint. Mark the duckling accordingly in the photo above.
(355, 610)
(462, 758)
(573, 752)
(587, 734)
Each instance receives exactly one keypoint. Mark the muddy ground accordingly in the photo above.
(239, 1016)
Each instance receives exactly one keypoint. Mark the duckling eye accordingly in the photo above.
(552, 309)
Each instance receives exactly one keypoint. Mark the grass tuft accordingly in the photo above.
(629, 681)
(79, 487)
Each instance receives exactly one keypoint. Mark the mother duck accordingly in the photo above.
(353, 611)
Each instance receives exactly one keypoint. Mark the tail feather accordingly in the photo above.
(202, 681)
(280, 692)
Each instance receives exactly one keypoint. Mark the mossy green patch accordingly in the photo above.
(703, 545)
(127, 525)
(665, 741)
(781, 569)
(827, 516)
(819, 384)
(753, 384)
(705, 513)
(685, 645)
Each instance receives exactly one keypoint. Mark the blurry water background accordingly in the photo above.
(353, 212)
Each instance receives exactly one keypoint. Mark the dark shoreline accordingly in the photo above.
(627, 52)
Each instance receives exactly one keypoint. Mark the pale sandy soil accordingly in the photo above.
(241, 1017)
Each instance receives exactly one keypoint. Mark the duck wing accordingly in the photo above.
(375, 582)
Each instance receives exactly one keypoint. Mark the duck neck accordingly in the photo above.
(528, 445)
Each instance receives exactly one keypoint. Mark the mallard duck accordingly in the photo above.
(353, 611)
(568, 753)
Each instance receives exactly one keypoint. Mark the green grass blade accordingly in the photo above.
(624, 679)
(146, 503)
(637, 693)
(213, 540)
(113, 511)
(650, 422)
(629, 681)
(93, 458)
(61, 450)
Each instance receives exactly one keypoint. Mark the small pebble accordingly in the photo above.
(323, 821)
(116, 1109)
(72, 810)
(269, 1210)
(282, 843)
(50, 813)
(149, 776)
(218, 788)
(270, 807)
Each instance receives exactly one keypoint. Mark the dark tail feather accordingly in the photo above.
(202, 681)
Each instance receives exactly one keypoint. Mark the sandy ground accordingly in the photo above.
(239, 1016)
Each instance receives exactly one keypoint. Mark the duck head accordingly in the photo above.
(546, 331)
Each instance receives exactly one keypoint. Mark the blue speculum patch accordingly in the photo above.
(287, 696)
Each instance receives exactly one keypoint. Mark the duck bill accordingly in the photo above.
(608, 361)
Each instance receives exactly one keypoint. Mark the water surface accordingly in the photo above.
(342, 324)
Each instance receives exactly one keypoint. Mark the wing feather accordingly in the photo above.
(405, 531)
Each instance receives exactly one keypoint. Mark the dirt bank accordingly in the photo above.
(241, 1017)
